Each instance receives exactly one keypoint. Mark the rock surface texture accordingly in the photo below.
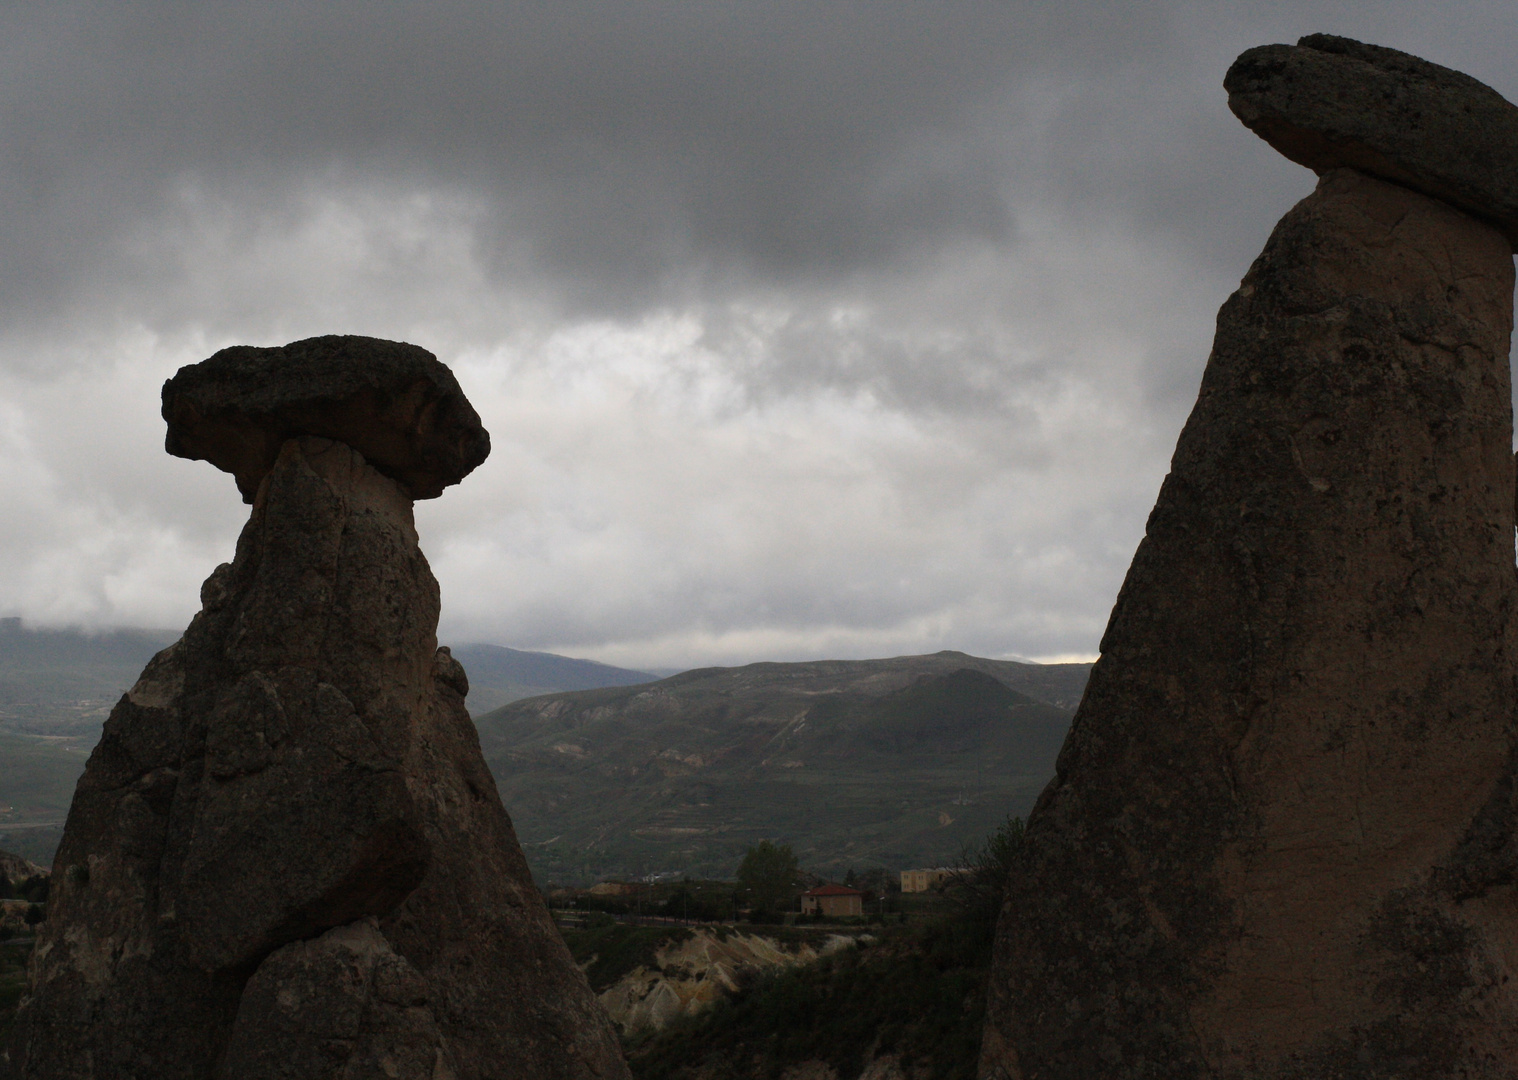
(1281, 838)
(286, 858)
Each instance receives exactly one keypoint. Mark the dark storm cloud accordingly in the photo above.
(634, 146)
(630, 144)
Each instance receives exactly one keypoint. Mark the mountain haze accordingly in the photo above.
(498, 675)
(608, 772)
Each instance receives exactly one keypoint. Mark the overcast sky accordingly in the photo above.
(800, 329)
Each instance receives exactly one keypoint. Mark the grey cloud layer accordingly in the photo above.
(849, 327)
(619, 139)
(656, 140)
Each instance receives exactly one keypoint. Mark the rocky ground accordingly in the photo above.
(647, 977)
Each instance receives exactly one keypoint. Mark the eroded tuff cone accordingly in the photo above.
(1280, 841)
(392, 402)
(287, 858)
(1330, 102)
(16, 868)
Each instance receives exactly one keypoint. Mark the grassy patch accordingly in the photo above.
(39, 774)
(609, 950)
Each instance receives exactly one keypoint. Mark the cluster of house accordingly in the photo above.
(923, 880)
(841, 900)
(833, 901)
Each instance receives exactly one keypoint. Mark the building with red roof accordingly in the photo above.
(833, 901)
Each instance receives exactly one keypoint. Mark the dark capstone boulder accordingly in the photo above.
(286, 857)
(1331, 102)
(392, 402)
(1279, 844)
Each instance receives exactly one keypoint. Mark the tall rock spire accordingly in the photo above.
(1280, 841)
(286, 857)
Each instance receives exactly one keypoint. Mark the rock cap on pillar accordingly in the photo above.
(393, 402)
(1330, 102)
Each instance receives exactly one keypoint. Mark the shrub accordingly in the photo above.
(683, 904)
(35, 889)
(978, 889)
(608, 904)
(770, 875)
(610, 950)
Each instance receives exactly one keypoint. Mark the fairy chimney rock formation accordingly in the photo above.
(1280, 842)
(286, 857)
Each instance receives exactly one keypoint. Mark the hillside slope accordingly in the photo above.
(56, 689)
(64, 682)
(859, 763)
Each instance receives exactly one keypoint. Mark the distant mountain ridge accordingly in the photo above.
(1055, 684)
(854, 762)
(637, 775)
(498, 675)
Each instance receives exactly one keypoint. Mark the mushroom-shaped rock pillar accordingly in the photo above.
(286, 857)
(1280, 842)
